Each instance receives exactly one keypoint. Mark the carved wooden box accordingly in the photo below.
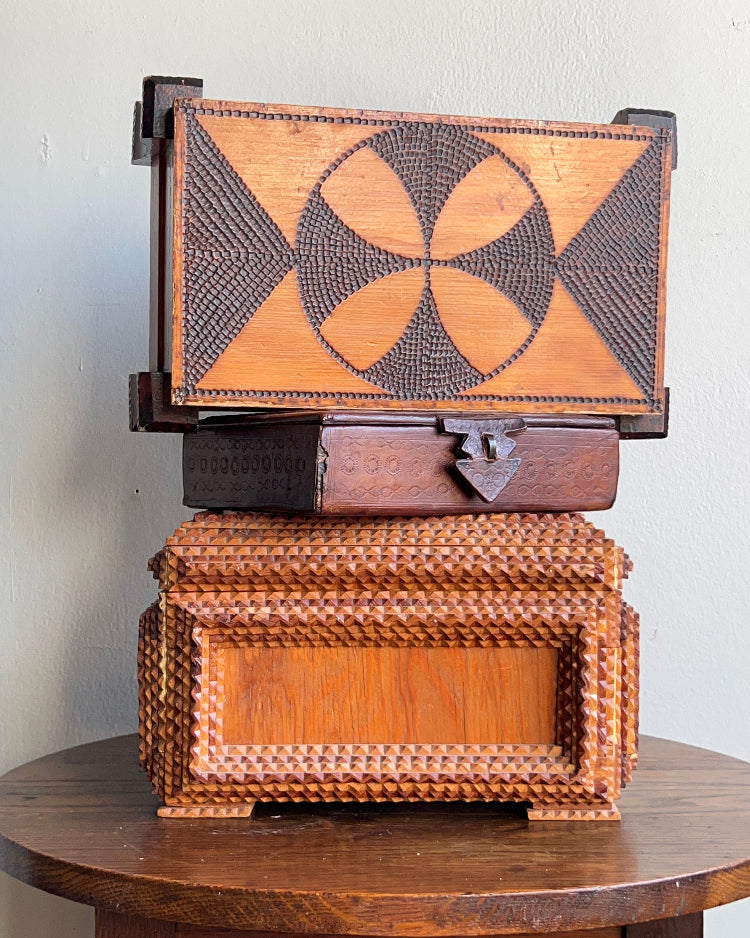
(316, 658)
(402, 465)
(365, 260)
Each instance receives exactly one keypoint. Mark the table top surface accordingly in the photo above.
(82, 823)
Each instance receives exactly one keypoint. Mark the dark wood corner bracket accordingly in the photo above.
(650, 118)
(645, 426)
(152, 116)
(151, 408)
(153, 129)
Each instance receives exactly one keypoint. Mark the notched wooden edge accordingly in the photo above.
(150, 410)
(646, 426)
(153, 115)
(159, 93)
(651, 118)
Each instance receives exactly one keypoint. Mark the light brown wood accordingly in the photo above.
(483, 324)
(301, 234)
(484, 206)
(319, 617)
(388, 695)
(365, 325)
(573, 175)
(368, 198)
(270, 350)
(308, 151)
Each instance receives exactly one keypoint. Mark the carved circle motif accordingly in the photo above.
(334, 262)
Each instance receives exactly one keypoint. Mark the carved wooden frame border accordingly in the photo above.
(572, 759)
(597, 710)
(186, 392)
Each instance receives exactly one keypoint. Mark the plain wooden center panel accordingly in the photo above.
(376, 695)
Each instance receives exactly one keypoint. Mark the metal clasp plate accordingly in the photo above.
(488, 468)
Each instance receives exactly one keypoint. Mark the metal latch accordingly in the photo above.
(488, 468)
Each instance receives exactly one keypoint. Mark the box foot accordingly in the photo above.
(586, 812)
(208, 810)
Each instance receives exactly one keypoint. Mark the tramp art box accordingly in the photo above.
(402, 350)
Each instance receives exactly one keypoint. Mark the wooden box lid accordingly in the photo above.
(353, 259)
(272, 555)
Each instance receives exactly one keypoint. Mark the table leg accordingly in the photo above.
(684, 926)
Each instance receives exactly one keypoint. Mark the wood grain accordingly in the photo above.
(81, 824)
(553, 362)
(684, 926)
(388, 695)
(283, 216)
(115, 925)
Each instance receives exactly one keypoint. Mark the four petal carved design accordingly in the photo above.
(425, 260)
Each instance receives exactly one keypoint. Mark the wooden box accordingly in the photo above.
(348, 259)
(315, 658)
(401, 464)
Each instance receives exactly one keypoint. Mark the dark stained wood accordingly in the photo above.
(153, 128)
(640, 116)
(396, 467)
(645, 426)
(686, 926)
(81, 824)
(115, 925)
(142, 147)
(160, 258)
(151, 408)
(159, 93)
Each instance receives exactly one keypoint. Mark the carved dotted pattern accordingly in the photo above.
(333, 262)
(234, 254)
(610, 268)
(381, 555)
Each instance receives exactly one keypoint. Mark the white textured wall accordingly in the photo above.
(83, 503)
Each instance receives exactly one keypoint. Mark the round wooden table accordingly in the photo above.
(82, 824)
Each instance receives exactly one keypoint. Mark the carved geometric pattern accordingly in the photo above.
(424, 361)
(611, 268)
(430, 159)
(234, 254)
(520, 265)
(563, 552)
(545, 581)
(333, 262)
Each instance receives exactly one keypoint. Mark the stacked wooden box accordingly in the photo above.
(428, 335)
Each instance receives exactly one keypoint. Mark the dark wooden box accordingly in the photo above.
(360, 464)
